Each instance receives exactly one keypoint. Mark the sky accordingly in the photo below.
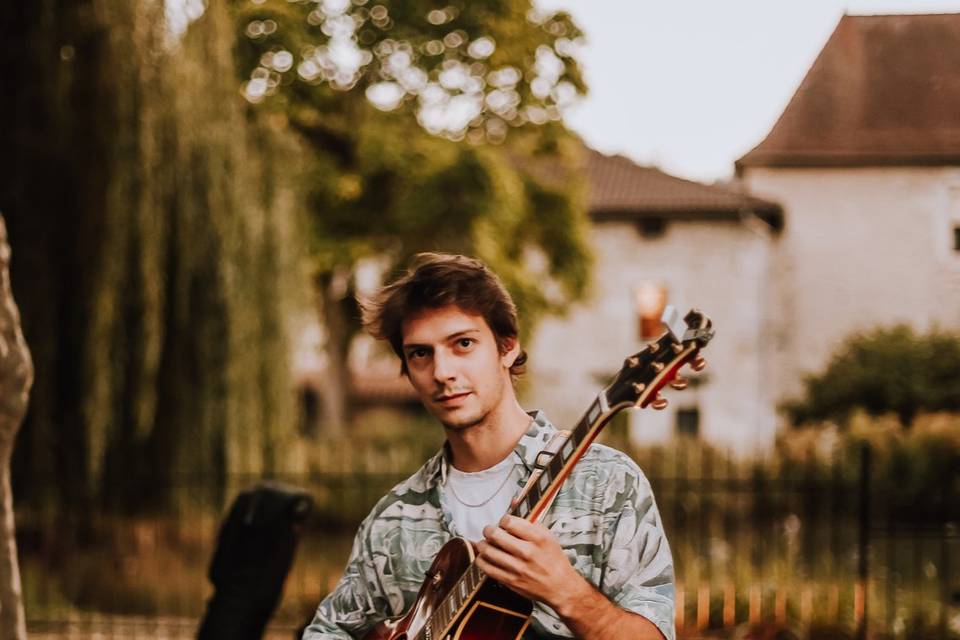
(691, 85)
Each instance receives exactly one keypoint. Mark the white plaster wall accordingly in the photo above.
(861, 247)
(721, 268)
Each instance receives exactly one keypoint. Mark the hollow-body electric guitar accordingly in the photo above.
(459, 602)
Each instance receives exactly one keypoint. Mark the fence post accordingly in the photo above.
(863, 544)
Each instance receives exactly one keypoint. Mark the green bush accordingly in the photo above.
(887, 370)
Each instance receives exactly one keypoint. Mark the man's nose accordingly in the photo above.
(443, 367)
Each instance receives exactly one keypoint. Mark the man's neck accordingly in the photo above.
(483, 445)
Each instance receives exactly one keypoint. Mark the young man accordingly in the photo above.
(597, 568)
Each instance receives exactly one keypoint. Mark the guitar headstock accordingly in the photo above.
(645, 373)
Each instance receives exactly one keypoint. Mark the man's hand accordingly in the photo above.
(528, 559)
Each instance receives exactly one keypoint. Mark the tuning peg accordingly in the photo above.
(679, 383)
(698, 363)
(657, 366)
(659, 403)
(632, 361)
(639, 387)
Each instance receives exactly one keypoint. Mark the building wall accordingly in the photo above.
(721, 268)
(861, 248)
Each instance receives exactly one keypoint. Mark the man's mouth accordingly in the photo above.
(451, 397)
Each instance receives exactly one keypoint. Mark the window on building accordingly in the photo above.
(651, 228)
(651, 298)
(688, 421)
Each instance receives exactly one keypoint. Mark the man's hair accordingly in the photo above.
(436, 280)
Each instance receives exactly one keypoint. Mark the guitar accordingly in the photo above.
(459, 602)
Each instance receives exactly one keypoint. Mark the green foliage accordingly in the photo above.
(887, 370)
(454, 163)
(153, 244)
(380, 185)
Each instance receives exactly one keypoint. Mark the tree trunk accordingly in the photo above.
(16, 377)
(331, 289)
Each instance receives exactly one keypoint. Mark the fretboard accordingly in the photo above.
(557, 469)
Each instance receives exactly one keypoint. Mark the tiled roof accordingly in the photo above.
(619, 188)
(885, 90)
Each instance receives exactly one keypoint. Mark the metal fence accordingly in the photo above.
(826, 555)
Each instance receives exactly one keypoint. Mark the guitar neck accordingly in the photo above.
(540, 493)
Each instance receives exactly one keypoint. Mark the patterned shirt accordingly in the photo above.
(604, 517)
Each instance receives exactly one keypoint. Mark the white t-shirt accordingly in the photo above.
(475, 488)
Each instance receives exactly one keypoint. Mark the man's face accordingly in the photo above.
(455, 366)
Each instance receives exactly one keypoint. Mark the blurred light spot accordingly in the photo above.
(548, 64)
(433, 48)
(258, 1)
(557, 28)
(536, 115)
(269, 26)
(930, 570)
(437, 16)
(566, 47)
(309, 70)
(385, 96)
(453, 39)
(335, 7)
(540, 87)
(504, 78)
(413, 79)
(315, 18)
(282, 61)
(378, 12)
(481, 48)
(339, 26)
(67, 52)
(564, 94)
(256, 89)
(496, 129)
(453, 76)
(254, 29)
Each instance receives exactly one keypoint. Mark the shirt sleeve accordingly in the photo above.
(357, 603)
(639, 568)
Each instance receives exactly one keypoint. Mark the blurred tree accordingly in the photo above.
(154, 254)
(356, 79)
(16, 378)
(887, 370)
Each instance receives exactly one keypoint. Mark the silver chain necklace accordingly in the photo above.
(453, 490)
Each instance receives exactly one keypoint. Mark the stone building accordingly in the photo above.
(866, 163)
(661, 239)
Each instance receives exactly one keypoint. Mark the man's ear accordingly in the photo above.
(511, 351)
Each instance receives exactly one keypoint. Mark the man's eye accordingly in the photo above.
(465, 343)
(417, 353)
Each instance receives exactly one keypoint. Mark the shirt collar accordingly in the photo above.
(531, 443)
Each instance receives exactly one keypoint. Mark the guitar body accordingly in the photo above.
(492, 613)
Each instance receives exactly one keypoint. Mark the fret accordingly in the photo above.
(463, 591)
(593, 412)
(533, 495)
(555, 466)
(523, 508)
(544, 480)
